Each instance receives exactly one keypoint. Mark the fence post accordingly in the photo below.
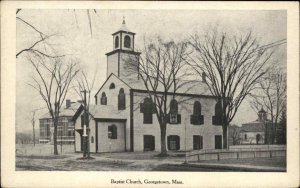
(198, 155)
(237, 156)
(218, 156)
(254, 154)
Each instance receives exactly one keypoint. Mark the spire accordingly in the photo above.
(123, 26)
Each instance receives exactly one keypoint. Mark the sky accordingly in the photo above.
(73, 37)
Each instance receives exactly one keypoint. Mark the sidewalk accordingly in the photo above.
(236, 167)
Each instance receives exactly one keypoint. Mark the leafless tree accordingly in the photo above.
(234, 134)
(52, 80)
(39, 46)
(159, 68)
(233, 67)
(272, 96)
(83, 87)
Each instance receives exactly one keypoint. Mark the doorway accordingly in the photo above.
(149, 143)
(218, 142)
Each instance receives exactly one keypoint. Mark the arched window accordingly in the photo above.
(217, 118)
(121, 100)
(103, 99)
(112, 86)
(148, 111)
(218, 109)
(127, 41)
(112, 131)
(245, 136)
(196, 117)
(173, 107)
(117, 42)
(197, 108)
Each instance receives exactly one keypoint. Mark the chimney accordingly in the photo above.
(204, 77)
(68, 103)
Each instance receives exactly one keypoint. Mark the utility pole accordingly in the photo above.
(86, 150)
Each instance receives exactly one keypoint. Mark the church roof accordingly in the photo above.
(106, 112)
(194, 87)
(257, 127)
(64, 112)
(124, 28)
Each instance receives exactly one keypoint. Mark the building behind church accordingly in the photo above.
(258, 131)
(123, 118)
(65, 128)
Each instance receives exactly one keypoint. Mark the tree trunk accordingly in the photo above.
(55, 137)
(163, 148)
(225, 144)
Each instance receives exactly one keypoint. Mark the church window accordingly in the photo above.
(173, 107)
(112, 86)
(217, 118)
(117, 42)
(174, 117)
(218, 109)
(197, 118)
(112, 131)
(173, 142)
(147, 108)
(121, 100)
(127, 41)
(103, 99)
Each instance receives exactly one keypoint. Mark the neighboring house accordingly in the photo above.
(65, 129)
(254, 132)
(234, 135)
(123, 109)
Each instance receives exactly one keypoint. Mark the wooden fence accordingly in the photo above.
(236, 153)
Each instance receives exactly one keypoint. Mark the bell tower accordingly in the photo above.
(123, 53)
(262, 115)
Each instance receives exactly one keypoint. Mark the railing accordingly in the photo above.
(236, 153)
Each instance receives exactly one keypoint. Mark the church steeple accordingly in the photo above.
(123, 38)
(123, 48)
(262, 115)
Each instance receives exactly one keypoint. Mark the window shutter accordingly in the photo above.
(177, 142)
(168, 118)
(153, 108)
(178, 118)
(201, 120)
(192, 119)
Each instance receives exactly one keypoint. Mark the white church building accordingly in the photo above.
(123, 109)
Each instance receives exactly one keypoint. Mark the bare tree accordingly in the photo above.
(39, 46)
(272, 96)
(233, 67)
(83, 87)
(52, 79)
(234, 134)
(159, 67)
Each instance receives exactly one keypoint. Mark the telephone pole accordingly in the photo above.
(86, 150)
